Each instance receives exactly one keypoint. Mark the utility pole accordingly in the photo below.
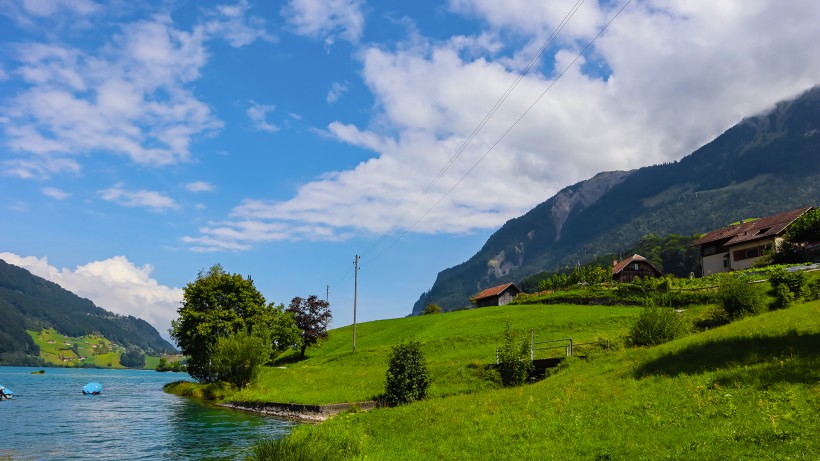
(355, 293)
(327, 294)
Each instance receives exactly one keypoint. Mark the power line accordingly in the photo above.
(481, 124)
(552, 83)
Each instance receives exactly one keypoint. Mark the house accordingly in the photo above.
(633, 266)
(739, 246)
(496, 296)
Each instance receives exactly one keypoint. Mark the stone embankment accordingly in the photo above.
(315, 413)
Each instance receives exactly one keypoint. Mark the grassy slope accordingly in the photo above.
(104, 355)
(748, 390)
(451, 343)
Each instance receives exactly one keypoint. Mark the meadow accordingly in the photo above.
(458, 347)
(746, 390)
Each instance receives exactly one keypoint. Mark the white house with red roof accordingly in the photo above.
(739, 246)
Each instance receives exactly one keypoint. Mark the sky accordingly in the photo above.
(142, 142)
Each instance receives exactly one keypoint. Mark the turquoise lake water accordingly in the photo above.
(133, 419)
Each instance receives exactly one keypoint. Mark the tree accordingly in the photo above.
(513, 358)
(285, 334)
(217, 304)
(312, 316)
(407, 377)
(806, 228)
(238, 357)
(133, 358)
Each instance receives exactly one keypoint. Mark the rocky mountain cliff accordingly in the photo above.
(763, 165)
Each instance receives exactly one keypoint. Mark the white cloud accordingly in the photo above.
(336, 91)
(326, 19)
(664, 79)
(115, 284)
(199, 186)
(258, 113)
(233, 24)
(131, 97)
(155, 201)
(55, 193)
(26, 12)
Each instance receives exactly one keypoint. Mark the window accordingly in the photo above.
(753, 252)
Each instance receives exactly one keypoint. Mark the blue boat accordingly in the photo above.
(6, 393)
(92, 389)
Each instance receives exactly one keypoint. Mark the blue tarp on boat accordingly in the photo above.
(92, 388)
(7, 393)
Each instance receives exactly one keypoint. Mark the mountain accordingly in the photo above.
(763, 165)
(28, 302)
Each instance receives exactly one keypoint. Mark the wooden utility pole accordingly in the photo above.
(355, 294)
(327, 294)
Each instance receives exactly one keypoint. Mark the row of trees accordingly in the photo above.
(228, 330)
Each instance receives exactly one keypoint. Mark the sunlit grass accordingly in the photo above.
(747, 390)
(452, 342)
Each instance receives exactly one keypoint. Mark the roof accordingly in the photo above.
(495, 291)
(634, 258)
(768, 227)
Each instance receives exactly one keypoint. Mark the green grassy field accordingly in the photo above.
(747, 390)
(56, 349)
(455, 344)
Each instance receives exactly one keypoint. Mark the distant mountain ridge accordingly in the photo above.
(763, 165)
(28, 302)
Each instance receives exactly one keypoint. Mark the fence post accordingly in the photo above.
(532, 344)
(570, 346)
(497, 360)
(566, 350)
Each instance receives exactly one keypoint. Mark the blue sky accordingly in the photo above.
(141, 142)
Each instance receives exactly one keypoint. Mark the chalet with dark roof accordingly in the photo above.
(496, 296)
(633, 266)
(739, 246)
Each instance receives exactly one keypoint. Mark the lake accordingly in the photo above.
(133, 419)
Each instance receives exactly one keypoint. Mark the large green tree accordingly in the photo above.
(217, 304)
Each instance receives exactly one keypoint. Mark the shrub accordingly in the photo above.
(794, 281)
(813, 290)
(783, 297)
(513, 358)
(407, 375)
(237, 359)
(740, 298)
(431, 308)
(655, 325)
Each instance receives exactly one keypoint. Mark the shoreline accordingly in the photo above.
(301, 412)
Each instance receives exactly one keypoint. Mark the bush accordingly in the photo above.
(431, 308)
(513, 358)
(237, 359)
(407, 375)
(740, 298)
(813, 290)
(783, 297)
(655, 325)
(794, 281)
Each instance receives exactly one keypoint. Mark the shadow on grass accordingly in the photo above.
(793, 357)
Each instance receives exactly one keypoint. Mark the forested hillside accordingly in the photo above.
(28, 302)
(763, 165)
